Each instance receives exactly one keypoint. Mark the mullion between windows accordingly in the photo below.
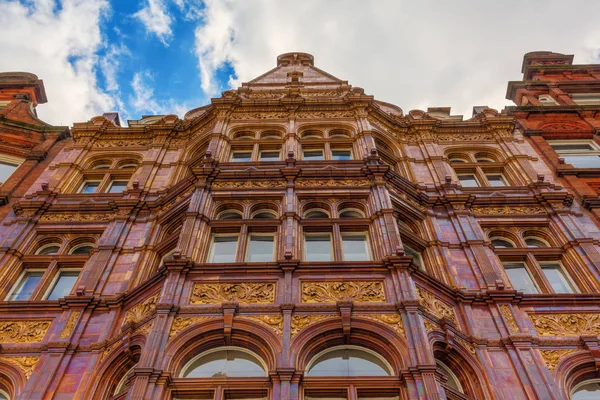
(44, 286)
(539, 278)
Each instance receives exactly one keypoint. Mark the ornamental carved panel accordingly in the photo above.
(394, 321)
(435, 306)
(300, 322)
(509, 210)
(75, 217)
(509, 318)
(23, 331)
(248, 184)
(566, 324)
(552, 357)
(244, 293)
(274, 322)
(324, 114)
(332, 182)
(332, 292)
(68, 329)
(25, 364)
(141, 311)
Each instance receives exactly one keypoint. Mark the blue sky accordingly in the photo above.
(148, 57)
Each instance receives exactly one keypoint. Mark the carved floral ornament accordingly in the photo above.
(23, 331)
(566, 324)
(509, 318)
(299, 322)
(244, 293)
(332, 292)
(181, 323)
(248, 184)
(435, 306)
(509, 210)
(77, 217)
(393, 320)
(332, 182)
(274, 322)
(141, 311)
(68, 329)
(25, 364)
(552, 357)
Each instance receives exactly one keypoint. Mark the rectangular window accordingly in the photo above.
(63, 285)
(317, 247)
(557, 278)
(89, 187)
(271, 155)
(223, 249)
(586, 99)
(117, 186)
(241, 156)
(313, 155)
(26, 286)
(496, 180)
(355, 247)
(468, 180)
(578, 153)
(572, 146)
(520, 278)
(341, 155)
(417, 259)
(6, 170)
(260, 248)
(591, 161)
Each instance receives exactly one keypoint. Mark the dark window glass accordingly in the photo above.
(468, 180)
(225, 363)
(89, 187)
(64, 284)
(223, 249)
(26, 286)
(269, 156)
(314, 155)
(341, 155)
(241, 156)
(117, 186)
(520, 278)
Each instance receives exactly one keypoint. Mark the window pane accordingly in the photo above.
(316, 214)
(317, 247)
(557, 278)
(89, 187)
(49, 250)
(260, 248)
(520, 278)
(64, 284)
(6, 170)
(468, 180)
(502, 244)
(117, 186)
(225, 363)
(414, 254)
(354, 247)
(223, 249)
(351, 214)
(590, 391)
(241, 156)
(583, 161)
(269, 156)
(313, 155)
(83, 250)
(573, 146)
(341, 155)
(26, 286)
(531, 242)
(496, 180)
(348, 362)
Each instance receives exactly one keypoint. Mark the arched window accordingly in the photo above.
(84, 248)
(316, 213)
(348, 361)
(502, 243)
(229, 214)
(124, 383)
(270, 135)
(50, 249)
(245, 135)
(351, 213)
(4, 395)
(586, 390)
(312, 135)
(339, 133)
(231, 362)
(452, 381)
(535, 242)
(264, 214)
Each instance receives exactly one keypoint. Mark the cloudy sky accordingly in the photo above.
(144, 57)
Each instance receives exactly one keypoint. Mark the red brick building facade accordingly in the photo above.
(299, 239)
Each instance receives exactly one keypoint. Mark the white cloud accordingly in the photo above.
(109, 65)
(143, 100)
(156, 20)
(59, 45)
(413, 54)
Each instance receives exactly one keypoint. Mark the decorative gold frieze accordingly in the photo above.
(324, 114)
(394, 321)
(331, 292)
(23, 331)
(260, 115)
(509, 318)
(121, 144)
(329, 93)
(471, 348)
(144, 329)
(25, 364)
(566, 324)
(275, 322)
(552, 357)
(248, 184)
(77, 217)
(300, 322)
(435, 306)
(461, 137)
(181, 323)
(332, 182)
(66, 332)
(140, 311)
(429, 326)
(245, 293)
(508, 210)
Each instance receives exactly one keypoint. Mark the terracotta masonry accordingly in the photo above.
(299, 239)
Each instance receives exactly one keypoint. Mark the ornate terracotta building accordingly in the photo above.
(298, 239)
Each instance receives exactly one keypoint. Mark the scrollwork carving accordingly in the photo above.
(436, 307)
(300, 322)
(245, 293)
(66, 332)
(332, 182)
(141, 311)
(509, 318)
(23, 331)
(324, 114)
(394, 321)
(259, 115)
(552, 357)
(508, 210)
(566, 324)
(331, 292)
(181, 323)
(274, 322)
(248, 184)
(25, 364)
(75, 217)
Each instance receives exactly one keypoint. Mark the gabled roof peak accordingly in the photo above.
(295, 58)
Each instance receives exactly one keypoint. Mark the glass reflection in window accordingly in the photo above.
(348, 361)
(230, 363)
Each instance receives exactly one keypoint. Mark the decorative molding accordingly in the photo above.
(331, 292)
(429, 326)
(300, 322)
(552, 357)
(471, 348)
(68, 329)
(245, 293)
(329, 93)
(181, 323)
(25, 364)
(435, 306)
(509, 210)
(23, 331)
(462, 137)
(332, 182)
(275, 322)
(324, 114)
(248, 184)
(566, 324)
(140, 311)
(394, 321)
(144, 329)
(75, 217)
(259, 115)
(263, 95)
(509, 318)
(122, 143)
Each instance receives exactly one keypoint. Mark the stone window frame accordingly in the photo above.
(119, 170)
(594, 151)
(15, 161)
(255, 142)
(481, 164)
(327, 140)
